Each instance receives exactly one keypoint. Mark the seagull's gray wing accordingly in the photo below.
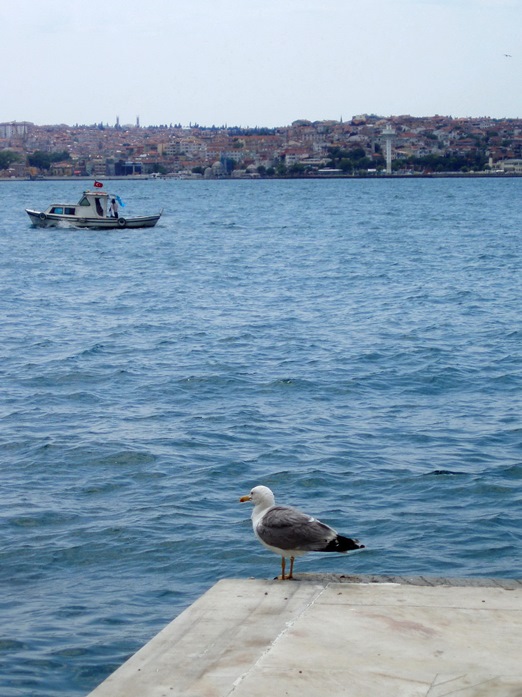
(286, 528)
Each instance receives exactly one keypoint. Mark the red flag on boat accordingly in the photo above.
(98, 184)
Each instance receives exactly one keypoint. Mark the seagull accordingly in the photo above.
(291, 533)
(508, 55)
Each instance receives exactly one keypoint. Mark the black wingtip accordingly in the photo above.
(343, 544)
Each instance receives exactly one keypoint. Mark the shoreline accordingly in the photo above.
(147, 177)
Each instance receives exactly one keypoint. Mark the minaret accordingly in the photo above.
(137, 121)
(388, 134)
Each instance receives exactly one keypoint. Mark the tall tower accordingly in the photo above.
(137, 121)
(388, 134)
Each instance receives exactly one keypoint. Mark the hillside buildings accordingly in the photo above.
(364, 144)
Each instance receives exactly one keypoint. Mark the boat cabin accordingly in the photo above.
(92, 204)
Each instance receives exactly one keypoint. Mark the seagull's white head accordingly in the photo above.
(261, 496)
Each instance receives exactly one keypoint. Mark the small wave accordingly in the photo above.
(438, 473)
(11, 645)
(512, 471)
(294, 383)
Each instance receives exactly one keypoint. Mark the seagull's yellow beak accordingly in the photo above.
(245, 498)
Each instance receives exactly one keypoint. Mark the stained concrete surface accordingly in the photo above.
(329, 635)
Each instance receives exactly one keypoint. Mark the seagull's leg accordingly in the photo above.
(282, 568)
(291, 574)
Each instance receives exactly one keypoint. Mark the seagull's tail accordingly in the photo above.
(342, 544)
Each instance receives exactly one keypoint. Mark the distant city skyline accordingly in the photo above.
(259, 63)
(364, 145)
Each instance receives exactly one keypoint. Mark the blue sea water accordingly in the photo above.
(356, 345)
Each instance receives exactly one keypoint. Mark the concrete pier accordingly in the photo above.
(327, 636)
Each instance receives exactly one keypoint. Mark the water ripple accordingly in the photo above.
(351, 344)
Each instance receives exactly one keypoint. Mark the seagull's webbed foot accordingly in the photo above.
(284, 577)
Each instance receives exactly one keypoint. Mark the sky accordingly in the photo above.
(257, 62)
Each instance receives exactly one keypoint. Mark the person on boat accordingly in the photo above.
(114, 208)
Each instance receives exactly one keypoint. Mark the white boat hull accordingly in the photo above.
(46, 220)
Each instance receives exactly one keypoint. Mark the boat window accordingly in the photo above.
(84, 201)
(57, 209)
(99, 208)
(70, 211)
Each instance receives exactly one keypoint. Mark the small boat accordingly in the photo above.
(91, 211)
